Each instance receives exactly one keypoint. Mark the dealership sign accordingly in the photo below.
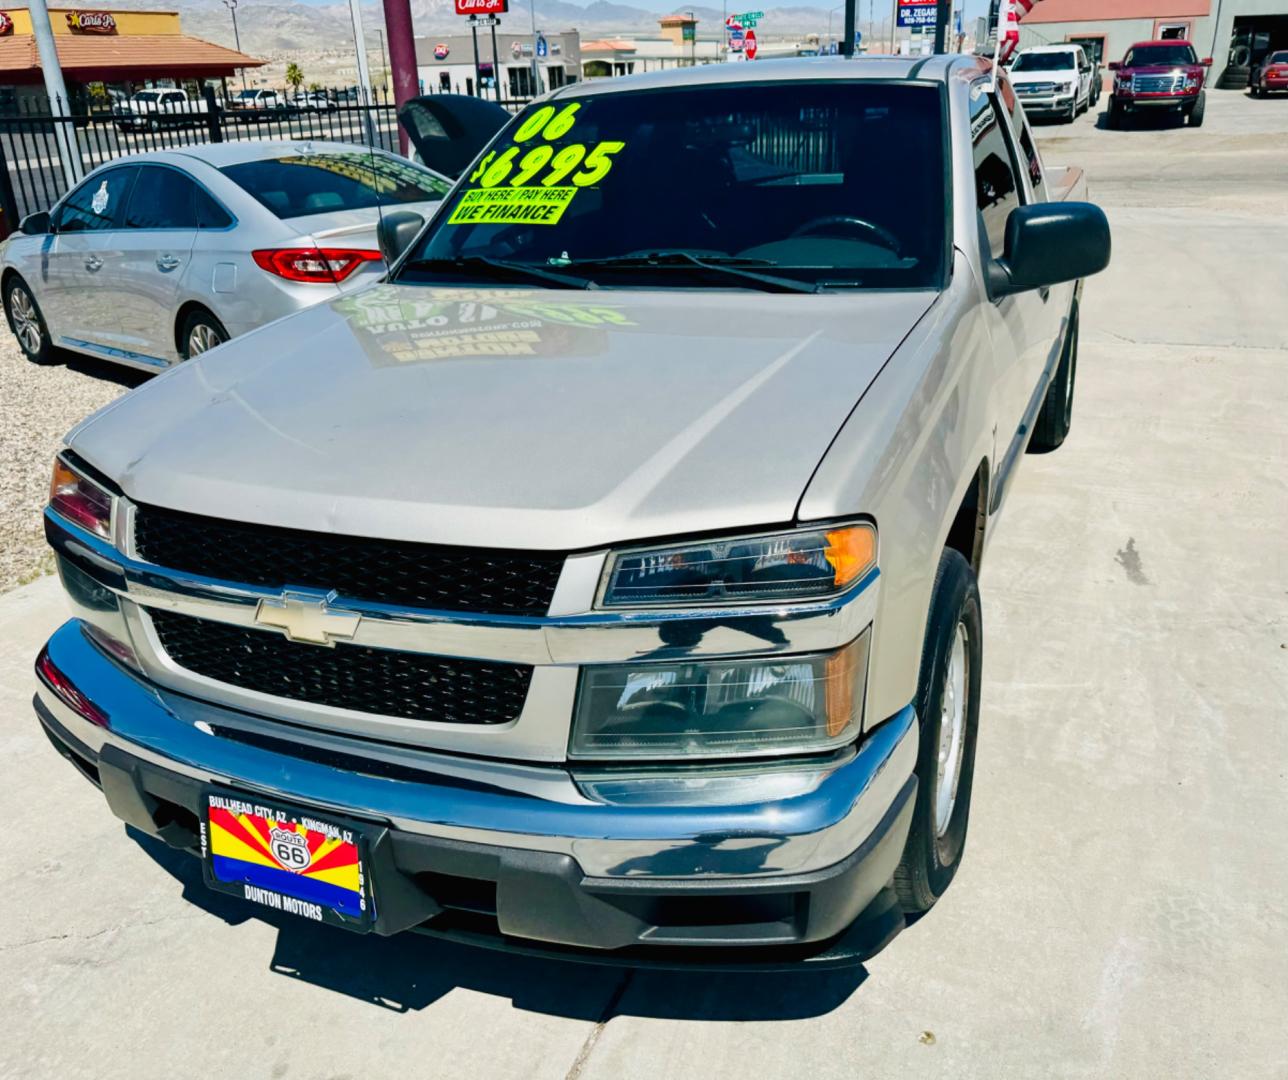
(918, 12)
(441, 50)
(91, 22)
(482, 7)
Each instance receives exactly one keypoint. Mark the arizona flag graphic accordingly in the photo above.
(286, 858)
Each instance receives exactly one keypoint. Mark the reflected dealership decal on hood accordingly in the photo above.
(459, 324)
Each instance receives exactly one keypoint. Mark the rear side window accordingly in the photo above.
(162, 199)
(996, 190)
(1024, 140)
(210, 215)
(323, 183)
(96, 204)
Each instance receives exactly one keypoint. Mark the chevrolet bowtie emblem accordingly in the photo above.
(306, 617)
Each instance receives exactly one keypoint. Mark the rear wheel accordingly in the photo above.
(27, 322)
(948, 713)
(200, 333)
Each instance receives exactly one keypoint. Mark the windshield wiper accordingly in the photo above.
(727, 265)
(502, 266)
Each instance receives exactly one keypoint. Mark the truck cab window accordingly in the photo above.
(996, 190)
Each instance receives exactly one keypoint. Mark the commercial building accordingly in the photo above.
(107, 55)
(1237, 34)
(446, 63)
(676, 45)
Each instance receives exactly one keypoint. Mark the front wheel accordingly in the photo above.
(1056, 418)
(1114, 117)
(200, 333)
(948, 713)
(27, 322)
(1196, 113)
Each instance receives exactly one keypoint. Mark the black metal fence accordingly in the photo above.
(42, 154)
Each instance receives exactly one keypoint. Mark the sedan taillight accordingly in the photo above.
(330, 265)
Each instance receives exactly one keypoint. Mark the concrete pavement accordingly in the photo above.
(1121, 910)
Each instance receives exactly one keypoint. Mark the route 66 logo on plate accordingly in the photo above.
(290, 849)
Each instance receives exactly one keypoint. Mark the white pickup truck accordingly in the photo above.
(604, 581)
(151, 110)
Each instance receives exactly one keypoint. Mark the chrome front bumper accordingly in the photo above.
(707, 823)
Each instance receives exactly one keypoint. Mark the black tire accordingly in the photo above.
(27, 322)
(199, 324)
(933, 852)
(1196, 113)
(1056, 418)
(1114, 114)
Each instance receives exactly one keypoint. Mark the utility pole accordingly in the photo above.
(364, 75)
(231, 5)
(68, 148)
(536, 71)
(943, 15)
(847, 46)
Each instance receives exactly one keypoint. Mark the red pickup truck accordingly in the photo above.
(1159, 76)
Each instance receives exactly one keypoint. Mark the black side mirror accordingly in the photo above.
(36, 224)
(396, 233)
(1049, 243)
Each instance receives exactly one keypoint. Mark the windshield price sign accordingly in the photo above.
(526, 182)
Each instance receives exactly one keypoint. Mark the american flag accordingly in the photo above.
(1008, 26)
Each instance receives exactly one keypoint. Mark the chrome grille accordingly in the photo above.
(1025, 89)
(1158, 84)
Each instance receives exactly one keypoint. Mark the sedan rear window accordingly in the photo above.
(323, 183)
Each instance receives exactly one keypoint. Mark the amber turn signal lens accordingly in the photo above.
(851, 551)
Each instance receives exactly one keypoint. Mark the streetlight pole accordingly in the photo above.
(536, 71)
(830, 39)
(64, 132)
(231, 5)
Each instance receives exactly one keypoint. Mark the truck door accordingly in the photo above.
(1022, 329)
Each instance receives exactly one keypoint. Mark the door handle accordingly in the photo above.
(93, 262)
(167, 262)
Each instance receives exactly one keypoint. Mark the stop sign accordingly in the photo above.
(749, 45)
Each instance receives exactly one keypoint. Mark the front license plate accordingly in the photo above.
(286, 860)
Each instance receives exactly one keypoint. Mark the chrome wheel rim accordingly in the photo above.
(952, 732)
(26, 323)
(203, 338)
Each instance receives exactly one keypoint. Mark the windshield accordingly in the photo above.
(1278, 58)
(322, 183)
(146, 95)
(1163, 55)
(1051, 61)
(713, 186)
(248, 95)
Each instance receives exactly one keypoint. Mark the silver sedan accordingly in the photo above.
(157, 257)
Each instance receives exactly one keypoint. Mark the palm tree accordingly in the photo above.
(294, 76)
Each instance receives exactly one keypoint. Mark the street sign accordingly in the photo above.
(749, 45)
(918, 12)
(543, 48)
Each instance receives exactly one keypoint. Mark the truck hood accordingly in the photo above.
(508, 418)
(1064, 75)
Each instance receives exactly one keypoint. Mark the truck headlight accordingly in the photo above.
(804, 564)
(721, 708)
(81, 500)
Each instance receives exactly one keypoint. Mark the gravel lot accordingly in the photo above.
(38, 406)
